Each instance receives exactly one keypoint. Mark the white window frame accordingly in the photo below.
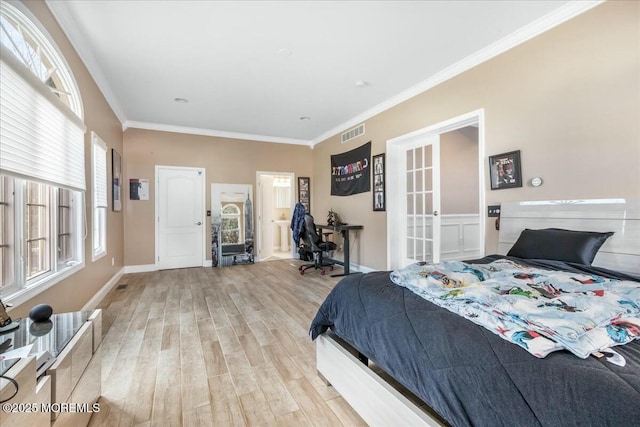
(7, 233)
(22, 289)
(99, 196)
(55, 158)
(45, 206)
(44, 58)
(238, 216)
(65, 231)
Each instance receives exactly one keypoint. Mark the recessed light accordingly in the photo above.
(305, 118)
(284, 52)
(362, 83)
(181, 100)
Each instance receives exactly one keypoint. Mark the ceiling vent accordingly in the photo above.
(353, 133)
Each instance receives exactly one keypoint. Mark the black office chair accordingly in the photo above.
(312, 242)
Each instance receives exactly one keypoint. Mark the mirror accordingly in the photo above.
(231, 224)
(282, 192)
(282, 197)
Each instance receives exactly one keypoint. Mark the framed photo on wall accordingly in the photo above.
(116, 181)
(505, 170)
(379, 199)
(304, 192)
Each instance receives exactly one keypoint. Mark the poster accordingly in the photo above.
(505, 170)
(138, 189)
(350, 173)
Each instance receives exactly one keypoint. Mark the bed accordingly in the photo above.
(467, 374)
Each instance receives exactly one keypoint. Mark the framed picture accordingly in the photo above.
(379, 200)
(505, 170)
(304, 192)
(116, 181)
(138, 189)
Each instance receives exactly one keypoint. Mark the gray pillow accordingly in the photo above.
(559, 245)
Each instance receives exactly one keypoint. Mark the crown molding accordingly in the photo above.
(66, 23)
(541, 25)
(537, 27)
(210, 132)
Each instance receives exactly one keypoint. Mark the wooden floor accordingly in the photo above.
(225, 346)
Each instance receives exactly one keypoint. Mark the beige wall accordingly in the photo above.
(459, 171)
(230, 161)
(74, 292)
(569, 99)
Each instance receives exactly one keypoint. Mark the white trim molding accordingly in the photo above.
(211, 132)
(140, 268)
(85, 53)
(539, 26)
(545, 23)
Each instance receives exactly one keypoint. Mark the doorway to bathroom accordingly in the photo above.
(275, 202)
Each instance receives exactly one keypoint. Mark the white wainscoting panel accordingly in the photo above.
(460, 237)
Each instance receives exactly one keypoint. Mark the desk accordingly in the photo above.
(344, 229)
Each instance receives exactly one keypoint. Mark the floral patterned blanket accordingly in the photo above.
(537, 309)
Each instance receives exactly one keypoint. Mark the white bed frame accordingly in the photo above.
(379, 404)
(621, 252)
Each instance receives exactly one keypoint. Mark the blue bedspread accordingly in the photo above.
(468, 374)
(541, 310)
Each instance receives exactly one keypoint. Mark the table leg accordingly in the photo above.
(346, 261)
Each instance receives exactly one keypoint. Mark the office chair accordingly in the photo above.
(312, 242)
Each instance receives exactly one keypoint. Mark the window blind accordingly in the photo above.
(99, 171)
(40, 137)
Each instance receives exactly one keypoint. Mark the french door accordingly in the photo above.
(413, 208)
(417, 230)
(421, 207)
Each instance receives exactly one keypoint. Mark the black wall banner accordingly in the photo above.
(350, 172)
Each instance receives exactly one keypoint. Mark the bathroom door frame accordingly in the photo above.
(259, 203)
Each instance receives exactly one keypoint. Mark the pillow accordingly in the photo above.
(558, 244)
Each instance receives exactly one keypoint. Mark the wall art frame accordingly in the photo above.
(304, 192)
(505, 170)
(116, 181)
(379, 196)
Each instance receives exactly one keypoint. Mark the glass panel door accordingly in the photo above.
(422, 203)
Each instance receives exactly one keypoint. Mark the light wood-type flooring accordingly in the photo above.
(216, 346)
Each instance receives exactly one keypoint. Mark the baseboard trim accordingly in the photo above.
(361, 268)
(141, 268)
(145, 268)
(99, 296)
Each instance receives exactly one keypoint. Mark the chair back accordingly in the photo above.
(309, 234)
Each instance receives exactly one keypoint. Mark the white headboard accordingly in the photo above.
(621, 252)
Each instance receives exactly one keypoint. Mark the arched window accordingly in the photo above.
(31, 47)
(231, 224)
(42, 176)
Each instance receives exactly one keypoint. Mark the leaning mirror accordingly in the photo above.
(231, 224)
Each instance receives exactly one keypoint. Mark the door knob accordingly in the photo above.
(198, 223)
(435, 213)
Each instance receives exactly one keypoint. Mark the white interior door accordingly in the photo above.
(413, 212)
(180, 217)
(414, 215)
(422, 204)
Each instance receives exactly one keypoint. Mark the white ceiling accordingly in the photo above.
(251, 69)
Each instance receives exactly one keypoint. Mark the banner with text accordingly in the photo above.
(350, 171)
